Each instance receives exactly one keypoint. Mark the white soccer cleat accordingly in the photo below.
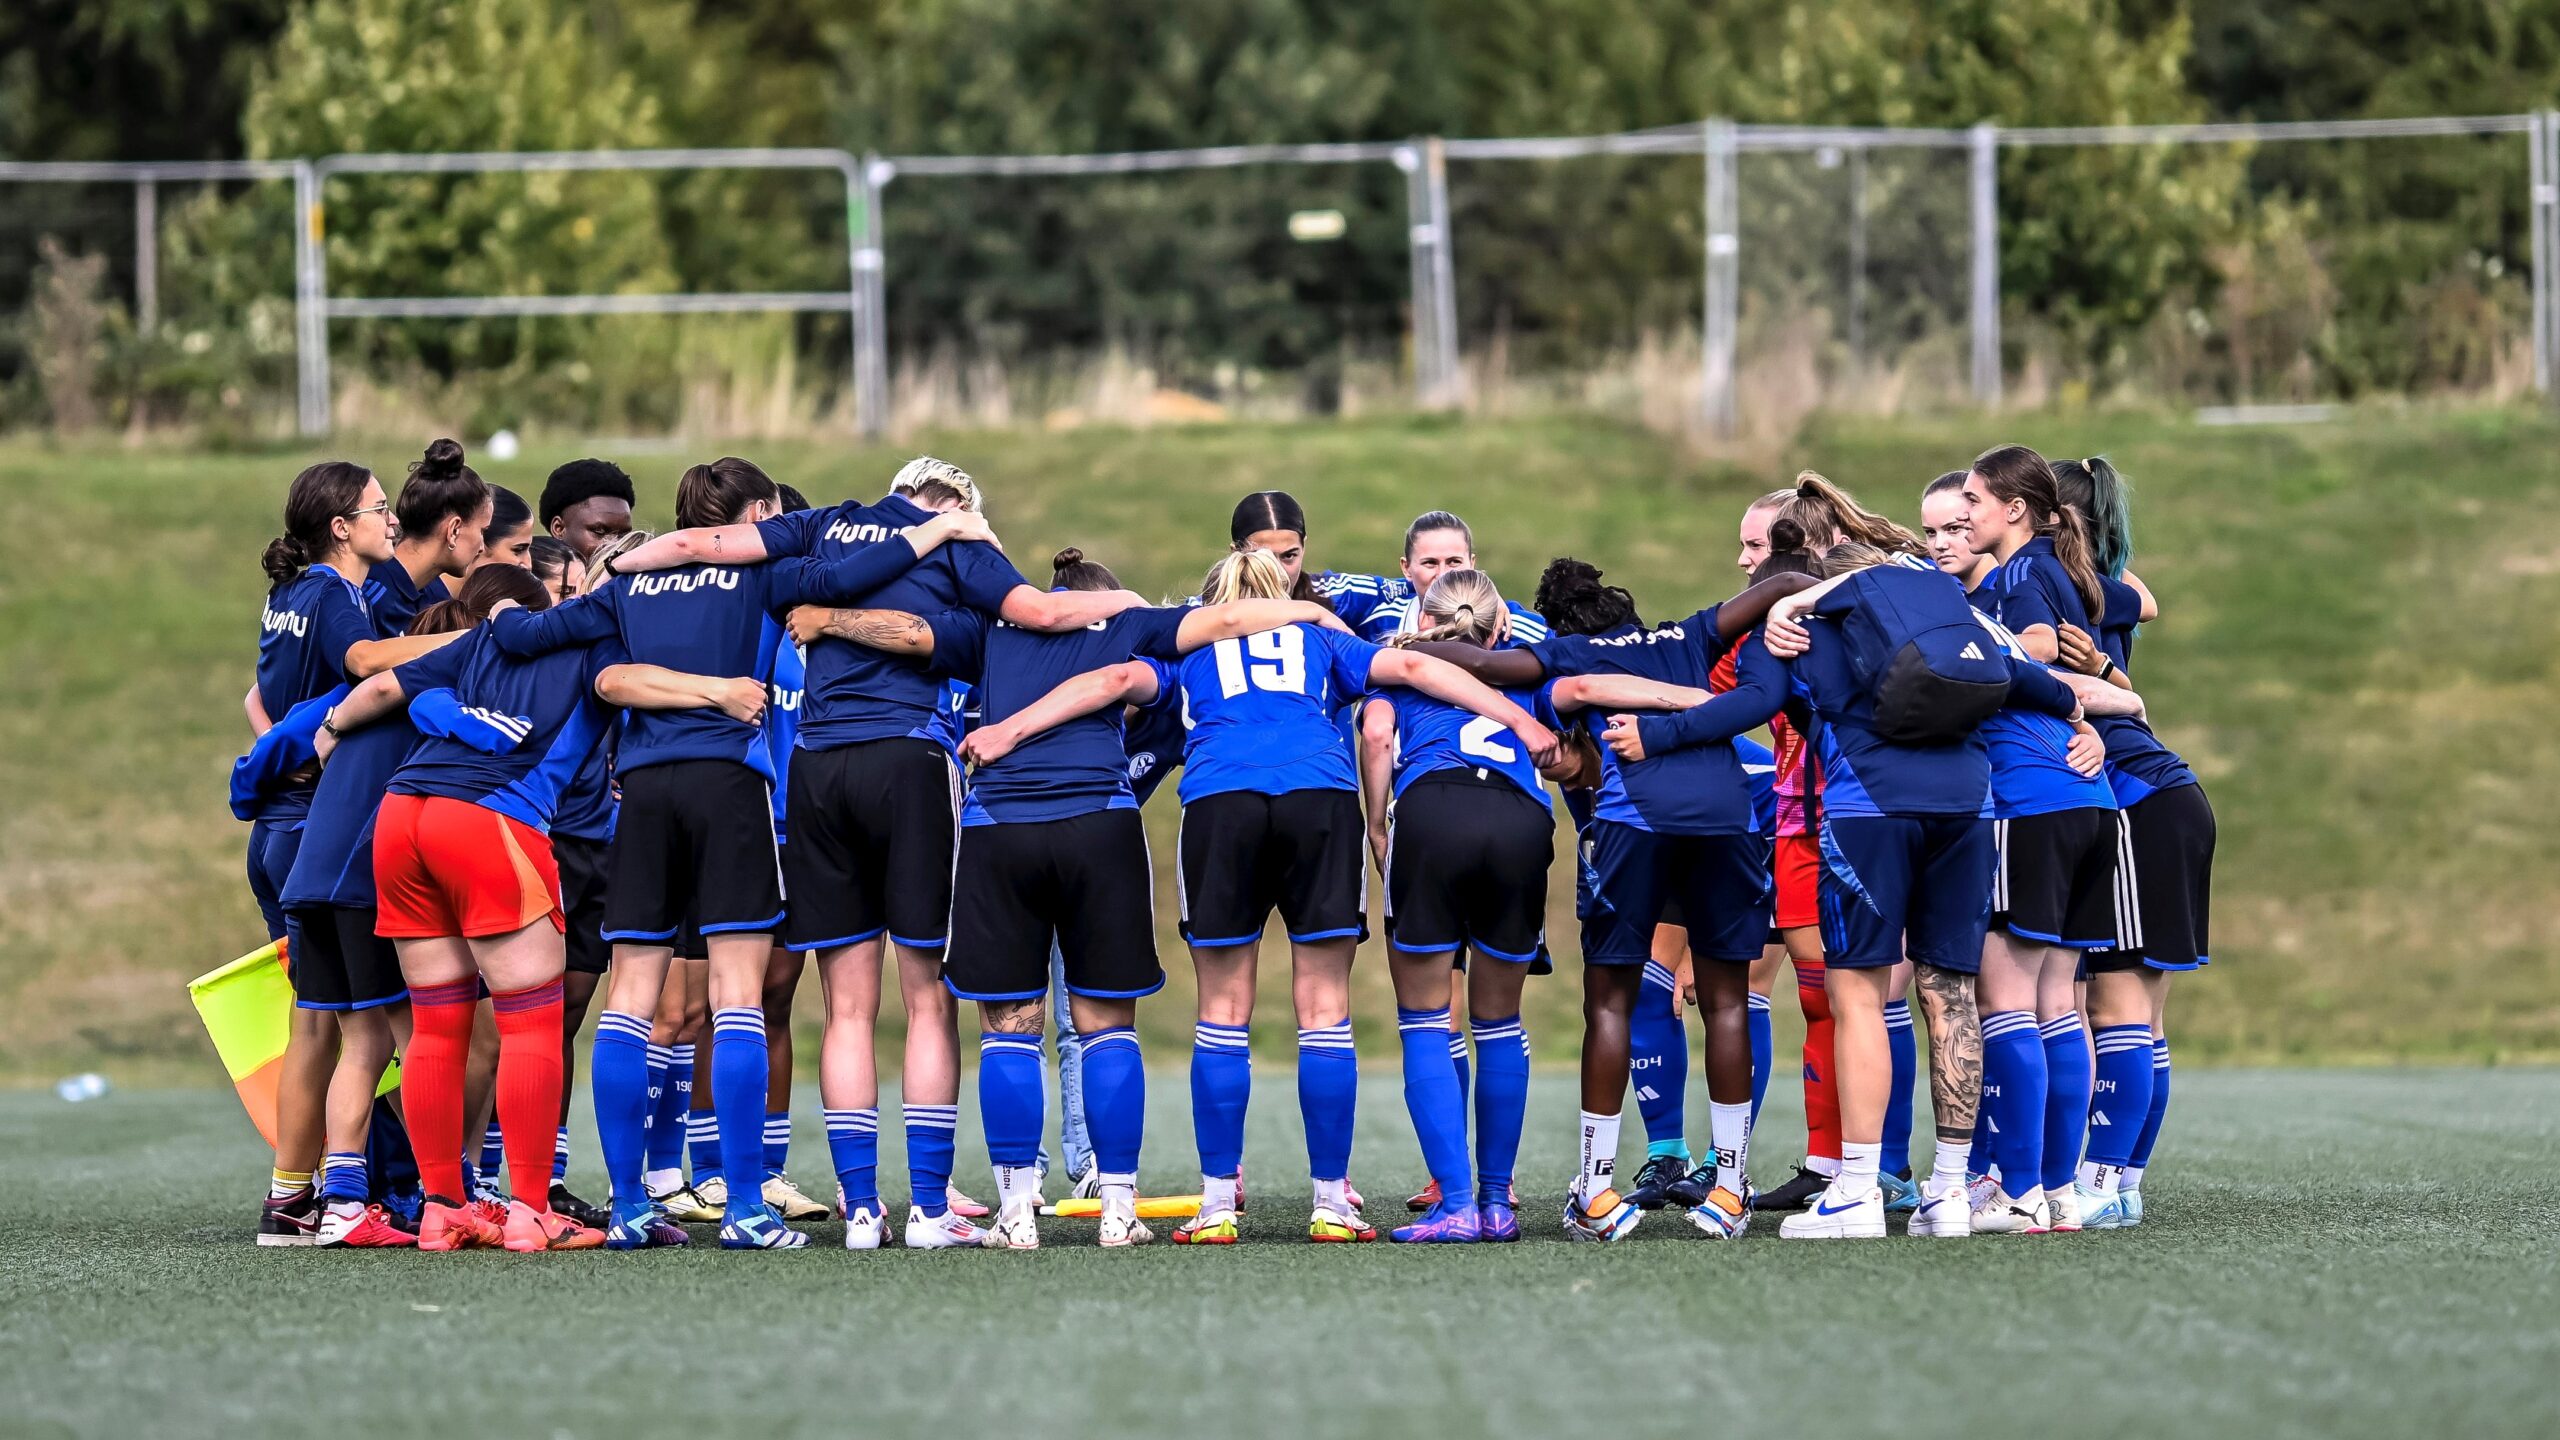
(2100, 1212)
(1724, 1215)
(2132, 1207)
(1122, 1230)
(2006, 1214)
(1018, 1228)
(1978, 1190)
(1088, 1185)
(2065, 1204)
(864, 1228)
(949, 1230)
(1830, 1217)
(713, 1193)
(1943, 1214)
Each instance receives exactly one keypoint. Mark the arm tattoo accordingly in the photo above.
(715, 542)
(895, 631)
(1955, 1049)
(1017, 1017)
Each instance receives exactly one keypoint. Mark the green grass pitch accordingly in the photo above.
(2330, 1253)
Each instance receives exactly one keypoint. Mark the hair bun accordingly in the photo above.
(1064, 558)
(1785, 536)
(443, 458)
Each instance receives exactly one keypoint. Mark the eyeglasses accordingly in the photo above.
(379, 508)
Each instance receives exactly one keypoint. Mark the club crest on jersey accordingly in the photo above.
(668, 582)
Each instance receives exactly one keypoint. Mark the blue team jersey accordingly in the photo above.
(1356, 598)
(1697, 789)
(856, 693)
(2031, 588)
(1155, 739)
(1072, 769)
(1433, 735)
(716, 620)
(782, 697)
(586, 809)
(334, 867)
(2137, 763)
(1403, 617)
(2029, 772)
(309, 624)
(395, 599)
(1760, 770)
(546, 703)
(1263, 712)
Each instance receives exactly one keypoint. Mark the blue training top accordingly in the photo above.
(2138, 765)
(1687, 786)
(1434, 735)
(1262, 712)
(2030, 774)
(541, 709)
(395, 599)
(1072, 769)
(783, 694)
(856, 693)
(703, 620)
(310, 623)
(335, 864)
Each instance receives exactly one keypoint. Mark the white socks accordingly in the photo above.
(1730, 1128)
(1599, 1153)
(1858, 1164)
(1334, 1195)
(1823, 1165)
(1016, 1185)
(1119, 1193)
(2099, 1179)
(2131, 1180)
(662, 1182)
(1217, 1195)
(1954, 1158)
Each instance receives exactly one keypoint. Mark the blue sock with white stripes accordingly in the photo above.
(659, 1058)
(932, 1132)
(618, 1071)
(342, 1176)
(777, 1141)
(2120, 1100)
(2066, 1098)
(1115, 1099)
(1502, 1104)
(853, 1144)
(1897, 1101)
(560, 1156)
(1329, 1097)
(2013, 1095)
(1431, 1097)
(1012, 1096)
(493, 1155)
(1762, 1044)
(1221, 1084)
(739, 1074)
(1458, 1062)
(2159, 1105)
(671, 1102)
(1658, 1062)
(702, 1144)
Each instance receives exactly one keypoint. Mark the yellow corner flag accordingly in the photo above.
(247, 1007)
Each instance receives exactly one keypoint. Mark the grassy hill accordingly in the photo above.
(2357, 653)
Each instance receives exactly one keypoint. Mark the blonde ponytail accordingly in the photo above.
(1244, 575)
(1463, 604)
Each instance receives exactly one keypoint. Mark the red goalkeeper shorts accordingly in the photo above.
(448, 867)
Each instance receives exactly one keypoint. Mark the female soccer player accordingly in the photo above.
(695, 832)
(558, 567)
(1467, 839)
(1052, 855)
(508, 538)
(2059, 833)
(443, 512)
(2168, 869)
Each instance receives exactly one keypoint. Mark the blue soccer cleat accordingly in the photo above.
(759, 1228)
(1498, 1222)
(1442, 1224)
(641, 1225)
(1901, 1193)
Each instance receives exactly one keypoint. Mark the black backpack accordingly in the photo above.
(1927, 670)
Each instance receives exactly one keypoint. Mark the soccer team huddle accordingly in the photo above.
(517, 762)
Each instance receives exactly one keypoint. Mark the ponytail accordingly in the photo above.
(1466, 606)
(320, 497)
(2104, 499)
(2072, 546)
(2016, 473)
(286, 557)
(1245, 575)
(1824, 510)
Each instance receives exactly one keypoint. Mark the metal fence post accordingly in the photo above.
(1722, 321)
(1422, 308)
(870, 296)
(1858, 254)
(1444, 287)
(1986, 265)
(146, 254)
(2544, 206)
(310, 302)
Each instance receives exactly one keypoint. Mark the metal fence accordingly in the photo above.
(1911, 286)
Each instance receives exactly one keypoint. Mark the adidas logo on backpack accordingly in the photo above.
(1972, 651)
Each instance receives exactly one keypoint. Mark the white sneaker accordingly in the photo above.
(713, 1192)
(1122, 1230)
(2005, 1214)
(1978, 1190)
(1830, 1217)
(2065, 1203)
(864, 1228)
(1018, 1228)
(946, 1231)
(1943, 1214)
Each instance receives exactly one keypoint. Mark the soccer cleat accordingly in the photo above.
(1088, 1185)
(294, 1220)
(530, 1231)
(1691, 1190)
(2006, 1214)
(2065, 1204)
(1217, 1228)
(1601, 1217)
(1120, 1231)
(945, 1231)
(1655, 1182)
(487, 1190)
(1498, 1221)
(566, 1202)
(642, 1226)
(865, 1226)
(1328, 1226)
(760, 1229)
(493, 1211)
(1978, 1190)
(1943, 1214)
(1797, 1193)
(1459, 1224)
(1831, 1218)
(963, 1206)
(1349, 1192)
(1723, 1215)
(1017, 1229)
(403, 1205)
(1428, 1197)
(714, 1194)
(2101, 1212)
(687, 1205)
(2132, 1207)
(349, 1225)
(446, 1226)
(784, 1198)
(1901, 1192)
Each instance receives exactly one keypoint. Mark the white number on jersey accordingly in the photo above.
(1272, 660)
(1477, 738)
